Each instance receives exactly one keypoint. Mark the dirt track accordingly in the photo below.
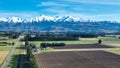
(81, 46)
(87, 59)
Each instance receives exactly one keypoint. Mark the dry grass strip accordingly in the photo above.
(3, 55)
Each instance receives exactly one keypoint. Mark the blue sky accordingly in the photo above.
(86, 9)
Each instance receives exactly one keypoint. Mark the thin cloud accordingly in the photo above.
(18, 14)
(103, 2)
(55, 10)
(99, 17)
(51, 4)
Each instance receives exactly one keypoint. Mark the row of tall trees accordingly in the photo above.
(10, 35)
(44, 45)
(59, 36)
(6, 43)
(30, 59)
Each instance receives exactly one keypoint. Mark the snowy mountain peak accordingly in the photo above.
(3, 19)
(11, 19)
(68, 19)
(14, 19)
(42, 18)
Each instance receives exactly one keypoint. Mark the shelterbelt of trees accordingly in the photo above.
(30, 59)
(44, 45)
(59, 37)
(10, 34)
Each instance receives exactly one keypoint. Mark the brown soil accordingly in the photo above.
(78, 46)
(83, 59)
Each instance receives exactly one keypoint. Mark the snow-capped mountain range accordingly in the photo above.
(42, 18)
(58, 24)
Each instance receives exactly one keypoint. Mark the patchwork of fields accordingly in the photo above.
(81, 59)
(71, 59)
(5, 48)
(111, 41)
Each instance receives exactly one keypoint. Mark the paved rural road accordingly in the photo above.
(90, 49)
(20, 58)
(7, 61)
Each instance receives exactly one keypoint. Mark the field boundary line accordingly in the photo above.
(90, 49)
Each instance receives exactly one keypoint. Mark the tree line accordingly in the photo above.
(59, 37)
(6, 43)
(44, 45)
(30, 59)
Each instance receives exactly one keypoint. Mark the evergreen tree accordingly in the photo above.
(99, 41)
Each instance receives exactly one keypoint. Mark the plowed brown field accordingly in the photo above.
(79, 46)
(78, 59)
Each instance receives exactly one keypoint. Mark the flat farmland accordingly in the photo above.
(8, 40)
(81, 46)
(111, 41)
(78, 59)
(3, 55)
(115, 51)
(5, 48)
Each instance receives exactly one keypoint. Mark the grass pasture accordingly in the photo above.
(5, 48)
(112, 41)
(9, 40)
(115, 51)
(3, 38)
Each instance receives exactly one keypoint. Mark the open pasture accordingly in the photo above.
(115, 51)
(112, 41)
(5, 48)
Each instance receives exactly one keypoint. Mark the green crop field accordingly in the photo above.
(113, 41)
(5, 48)
(11, 40)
